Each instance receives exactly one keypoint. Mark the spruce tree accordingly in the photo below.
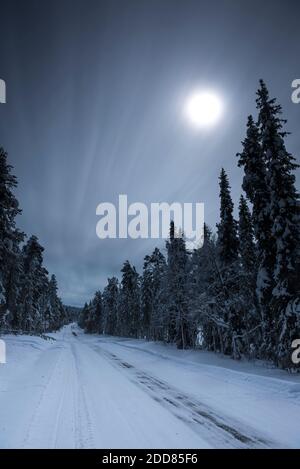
(153, 317)
(227, 286)
(248, 276)
(93, 320)
(179, 330)
(10, 237)
(283, 209)
(129, 301)
(83, 316)
(34, 283)
(110, 306)
(255, 185)
(56, 311)
(203, 278)
(146, 297)
(247, 247)
(227, 228)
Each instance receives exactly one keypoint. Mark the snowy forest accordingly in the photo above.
(239, 294)
(28, 297)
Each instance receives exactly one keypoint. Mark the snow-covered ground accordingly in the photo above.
(89, 391)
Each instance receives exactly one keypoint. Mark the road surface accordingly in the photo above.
(83, 391)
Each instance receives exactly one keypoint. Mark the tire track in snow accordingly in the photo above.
(63, 392)
(38, 409)
(222, 431)
(68, 385)
(84, 433)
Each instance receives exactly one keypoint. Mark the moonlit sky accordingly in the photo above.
(95, 93)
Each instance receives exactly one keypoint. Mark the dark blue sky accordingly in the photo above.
(94, 109)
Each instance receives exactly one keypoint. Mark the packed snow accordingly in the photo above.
(78, 390)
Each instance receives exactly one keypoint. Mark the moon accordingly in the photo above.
(203, 108)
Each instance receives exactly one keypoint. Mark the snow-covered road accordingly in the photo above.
(87, 391)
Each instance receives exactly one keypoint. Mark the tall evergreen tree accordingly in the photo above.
(153, 317)
(34, 283)
(179, 330)
(227, 228)
(228, 268)
(83, 316)
(285, 223)
(93, 320)
(247, 247)
(203, 279)
(56, 315)
(10, 237)
(110, 306)
(255, 185)
(248, 276)
(129, 301)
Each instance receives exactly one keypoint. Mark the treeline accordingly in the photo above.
(239, 294)
(28, 297)
(72, 313)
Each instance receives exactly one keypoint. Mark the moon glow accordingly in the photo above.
(203, 109)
